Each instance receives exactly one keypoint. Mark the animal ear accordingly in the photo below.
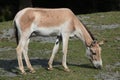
(93, 43)
(101, 42)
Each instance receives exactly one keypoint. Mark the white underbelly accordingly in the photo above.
(52, 31)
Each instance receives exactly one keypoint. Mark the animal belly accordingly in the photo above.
(48, 32)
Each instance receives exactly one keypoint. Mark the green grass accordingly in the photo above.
(103, 18)
(81, 68)
(5, 25)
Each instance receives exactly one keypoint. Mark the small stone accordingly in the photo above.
(117, 38)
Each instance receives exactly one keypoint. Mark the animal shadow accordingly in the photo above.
(12, 65)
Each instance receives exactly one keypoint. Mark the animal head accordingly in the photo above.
(94, 54)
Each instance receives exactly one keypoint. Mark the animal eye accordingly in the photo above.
(93, 52)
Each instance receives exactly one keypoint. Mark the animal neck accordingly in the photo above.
(88, 38)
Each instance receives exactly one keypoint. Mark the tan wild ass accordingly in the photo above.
(60, 22)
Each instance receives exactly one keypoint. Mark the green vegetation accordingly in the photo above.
(5, 25)
(103, 18)
(81, 68)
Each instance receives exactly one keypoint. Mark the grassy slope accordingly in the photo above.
(81, 69)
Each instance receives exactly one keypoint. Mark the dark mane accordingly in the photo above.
(88, 31)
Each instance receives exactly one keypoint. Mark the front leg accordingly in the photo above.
(55, 50)
(65, 47)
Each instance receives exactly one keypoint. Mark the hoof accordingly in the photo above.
(67, 70)
(23, 73)
(50, 69)
(32, 71)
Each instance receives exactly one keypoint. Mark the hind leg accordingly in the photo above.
(23, 48)
(19, 51)
(25, 53)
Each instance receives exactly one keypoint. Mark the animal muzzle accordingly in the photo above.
(97, 64)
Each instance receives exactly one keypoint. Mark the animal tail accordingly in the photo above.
(16, 33)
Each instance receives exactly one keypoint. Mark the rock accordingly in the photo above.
(7, 34)
(117, 38)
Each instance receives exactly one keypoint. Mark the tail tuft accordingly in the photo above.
(16, 33)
